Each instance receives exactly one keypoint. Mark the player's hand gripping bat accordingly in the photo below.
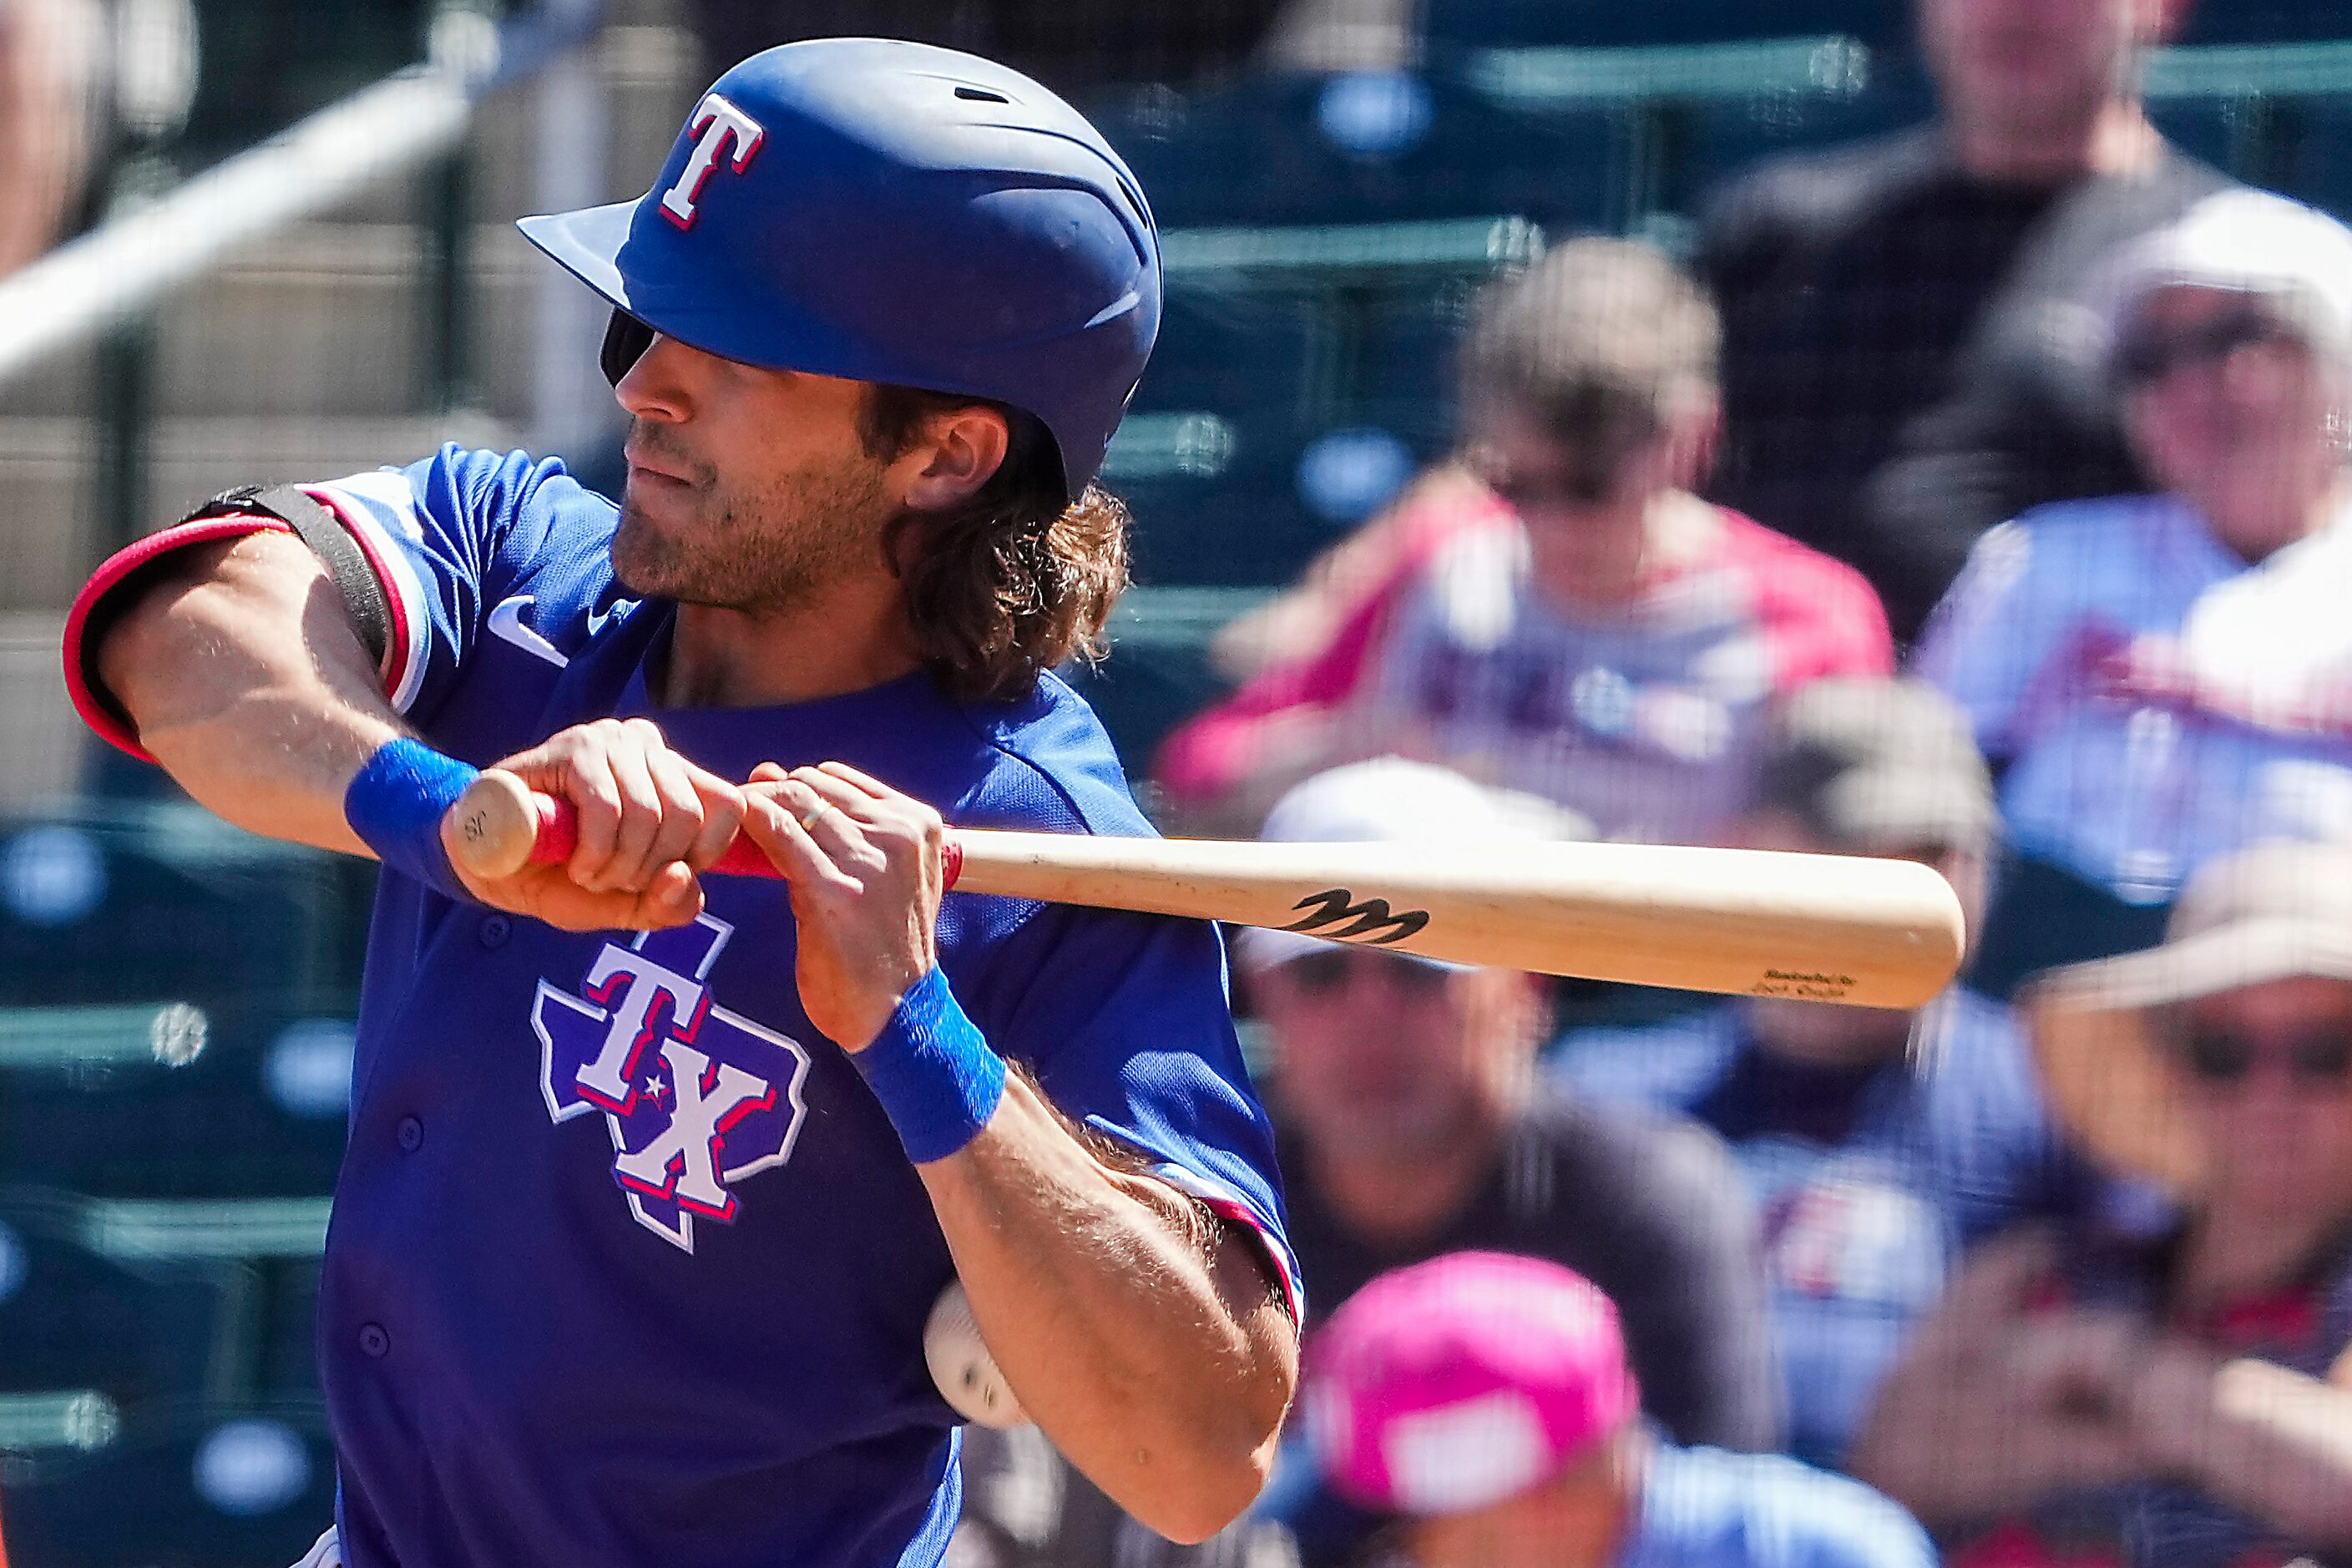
(1828, 928)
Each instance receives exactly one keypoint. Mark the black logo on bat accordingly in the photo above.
(1370, 920)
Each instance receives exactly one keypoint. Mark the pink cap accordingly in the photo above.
(1458, 1383)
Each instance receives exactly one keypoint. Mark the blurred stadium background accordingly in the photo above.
(1333, 182)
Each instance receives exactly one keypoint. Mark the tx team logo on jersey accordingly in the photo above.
(720, 130)
(696, 1097)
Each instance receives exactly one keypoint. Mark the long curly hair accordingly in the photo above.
(1017, 579)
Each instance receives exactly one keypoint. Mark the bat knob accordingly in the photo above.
(491, 830)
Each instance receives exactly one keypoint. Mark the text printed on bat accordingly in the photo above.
(1371, 922)
(1807, 985)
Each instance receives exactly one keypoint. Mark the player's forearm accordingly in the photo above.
(246, 682)
(1158, 1360)
(2264, 1437)
(1951, 1441)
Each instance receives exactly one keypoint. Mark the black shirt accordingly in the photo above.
(1652, 1212)
(1911, 354)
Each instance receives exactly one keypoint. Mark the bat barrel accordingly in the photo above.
(1830, 928)
(1866, 933)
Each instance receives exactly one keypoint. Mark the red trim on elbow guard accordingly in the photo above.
(393, 666)
(92, 612)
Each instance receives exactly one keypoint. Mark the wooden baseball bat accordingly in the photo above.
(1827, 928)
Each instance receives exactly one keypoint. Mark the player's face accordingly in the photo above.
(2028, 64)
(748, 489)
(2270, 1073)
(1383, 1057)
(2233, 411)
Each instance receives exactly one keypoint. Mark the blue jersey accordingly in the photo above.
(1869, 1180)
(626, 1264)
(1704, 1507)
(2155, 701)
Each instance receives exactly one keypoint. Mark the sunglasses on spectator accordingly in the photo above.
(2148, 355)
(1524, 493)
(1327, 974)
(2321, 1058)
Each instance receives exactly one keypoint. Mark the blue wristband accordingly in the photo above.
(395, 806)
(935, 1074)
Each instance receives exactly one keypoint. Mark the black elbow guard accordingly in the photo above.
(120, 580)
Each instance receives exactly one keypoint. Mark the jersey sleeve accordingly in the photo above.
(449, 538)
(2004, 1163)
(1991, 636)
(1126, 1023)
(1836, 1522)
(1817, 616)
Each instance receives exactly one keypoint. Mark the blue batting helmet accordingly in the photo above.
(892, 212)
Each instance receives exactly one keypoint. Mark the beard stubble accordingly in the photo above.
(760, 551)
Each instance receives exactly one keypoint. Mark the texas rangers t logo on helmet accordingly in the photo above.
(696, 1097)
(718, 128)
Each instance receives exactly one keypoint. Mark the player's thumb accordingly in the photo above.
(672, 897)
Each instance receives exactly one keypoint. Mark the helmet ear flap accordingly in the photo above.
(626, 339)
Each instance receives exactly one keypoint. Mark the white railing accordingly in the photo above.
(124, 267)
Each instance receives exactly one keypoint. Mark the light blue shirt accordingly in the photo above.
(1868, 1184)
(2157, 702)
(1706, 1508)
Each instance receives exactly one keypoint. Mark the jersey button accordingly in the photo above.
(496, 928)
(411, 1133)
(373, 1340)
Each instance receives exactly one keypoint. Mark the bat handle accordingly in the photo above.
(501, 825)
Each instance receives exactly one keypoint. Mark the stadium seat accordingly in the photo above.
(287, 1364)
(1157, 674)
(114, 900)
(72, 1318)
(171, 1101)
(1683, 114)
(1357, 147)
(1238, 353)
(1453, 24)
(1311, 327)
(2319, 168)
(2265, 21)
(1724, 137)
(207, 1488)
(2271, 114)
(1217, 504)
(1405, 374)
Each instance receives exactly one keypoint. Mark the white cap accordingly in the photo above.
(1391, 800)
(2247, 242)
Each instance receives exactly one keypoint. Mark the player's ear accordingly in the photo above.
(960, 450)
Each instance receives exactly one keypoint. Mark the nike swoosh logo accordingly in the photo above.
(599, 619)
(506, 624)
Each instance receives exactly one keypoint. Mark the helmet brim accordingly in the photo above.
(587, 243)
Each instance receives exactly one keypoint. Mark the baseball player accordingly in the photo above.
(652, 1179)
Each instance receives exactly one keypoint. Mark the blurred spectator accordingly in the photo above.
(1412, 1125)
(49, 69)
(1877, 1144)
(2167, 1403)
(1905, 362)
(2165, 677)
(1485, 1400)
(1580, 627)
